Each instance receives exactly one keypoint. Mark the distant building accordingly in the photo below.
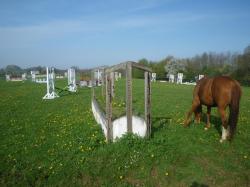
(34, 72)
(7, 77)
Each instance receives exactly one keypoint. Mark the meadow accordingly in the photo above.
(58, 143)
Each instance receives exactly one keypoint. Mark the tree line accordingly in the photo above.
(209, 64)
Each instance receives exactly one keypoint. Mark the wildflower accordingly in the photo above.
(166, 173)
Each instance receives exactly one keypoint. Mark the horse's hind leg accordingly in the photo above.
(208, 118)
(225, 131)
(195, 104)
(197, 113)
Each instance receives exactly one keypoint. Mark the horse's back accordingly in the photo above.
(216, 91)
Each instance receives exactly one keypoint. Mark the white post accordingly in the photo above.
(69, 75)
(99, 77)
(7, 77)
(200, 77)
(72, 80)
(24, 76)
(153, 78)
(116, 76)
(33, 77)
(47, 70)
(179, 78)
(171, 78)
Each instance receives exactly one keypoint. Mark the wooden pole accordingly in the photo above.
(113, 84)
(92, 75)
(129, 95)
(109, 108)
(103, 82)
(147, 97)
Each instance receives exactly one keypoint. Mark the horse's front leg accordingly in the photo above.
(225, 130)
(208, 118)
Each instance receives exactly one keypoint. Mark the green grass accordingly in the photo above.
(58, 142)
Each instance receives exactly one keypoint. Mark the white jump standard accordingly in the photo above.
(179, 78)
(51, 94)
(171, 78)
(200, 77)
(153, 78)
(72, 80)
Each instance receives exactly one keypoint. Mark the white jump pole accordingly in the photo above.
(47, 73)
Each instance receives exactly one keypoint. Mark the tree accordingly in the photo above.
(13, 70)
(242, 72)
(247, 50)
(139, 74)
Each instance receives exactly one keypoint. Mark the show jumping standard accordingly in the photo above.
(51, 94)
(218, 92)
(72, 80)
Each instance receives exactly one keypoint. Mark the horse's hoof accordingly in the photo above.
(186, 123)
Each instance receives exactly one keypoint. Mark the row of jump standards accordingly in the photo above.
(105, 77)
(49, 80)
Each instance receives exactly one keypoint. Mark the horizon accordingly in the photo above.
(90, 34)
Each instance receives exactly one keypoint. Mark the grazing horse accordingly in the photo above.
(221, 91)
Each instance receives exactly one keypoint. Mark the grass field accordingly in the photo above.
(57, 142)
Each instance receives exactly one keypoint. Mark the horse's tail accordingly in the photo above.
(234, 109)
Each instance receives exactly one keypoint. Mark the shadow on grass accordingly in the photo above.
(62, 92)
(196, 184)
(160, 122)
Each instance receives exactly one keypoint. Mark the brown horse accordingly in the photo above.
(218, 92)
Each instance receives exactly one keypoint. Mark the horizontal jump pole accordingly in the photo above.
(122, 66)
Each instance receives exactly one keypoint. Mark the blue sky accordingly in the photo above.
(92, 33)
